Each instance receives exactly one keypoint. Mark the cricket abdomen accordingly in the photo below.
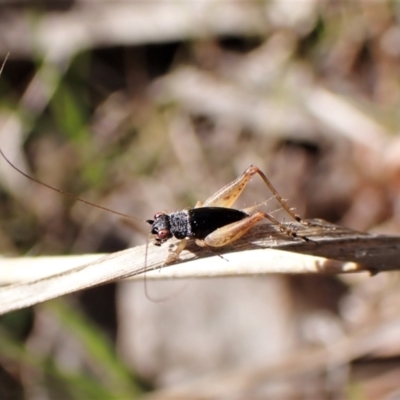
(205, 220)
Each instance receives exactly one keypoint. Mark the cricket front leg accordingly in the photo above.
(174, 254)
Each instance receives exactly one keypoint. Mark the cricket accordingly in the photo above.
(212, 223)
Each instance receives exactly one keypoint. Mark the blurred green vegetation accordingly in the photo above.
(103, 376)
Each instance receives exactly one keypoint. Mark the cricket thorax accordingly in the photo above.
(164, 226)
(180, 224)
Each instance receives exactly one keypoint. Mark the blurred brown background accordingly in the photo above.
(153, 105)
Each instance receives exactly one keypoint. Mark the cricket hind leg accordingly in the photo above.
(226, 196)
(282, 202)
(232, 232)
(291, 232)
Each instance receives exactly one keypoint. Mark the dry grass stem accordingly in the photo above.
(331, 250)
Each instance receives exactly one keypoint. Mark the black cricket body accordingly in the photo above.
(196, 223)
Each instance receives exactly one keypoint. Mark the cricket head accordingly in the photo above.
(160, 227)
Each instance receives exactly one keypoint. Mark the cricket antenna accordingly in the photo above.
(149, 296)
(146, 289)
(72, 196)
(4, 63)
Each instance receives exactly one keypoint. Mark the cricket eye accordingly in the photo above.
(158, 215)
(163, 234)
